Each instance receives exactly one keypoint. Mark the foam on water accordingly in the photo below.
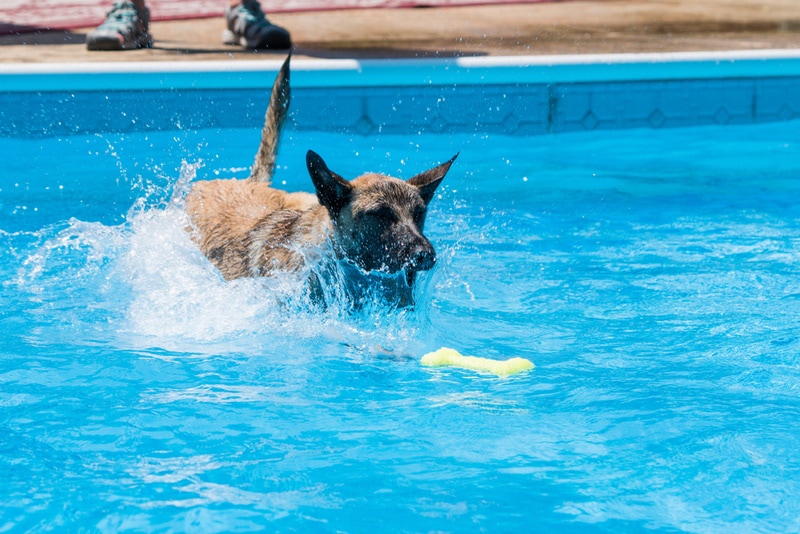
(153, 287)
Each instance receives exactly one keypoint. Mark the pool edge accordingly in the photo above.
(313, 73)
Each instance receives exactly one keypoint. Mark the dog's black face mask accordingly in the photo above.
(378, 220)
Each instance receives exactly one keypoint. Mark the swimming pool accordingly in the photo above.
(651, 275)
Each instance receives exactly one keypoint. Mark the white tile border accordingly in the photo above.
(401, 72)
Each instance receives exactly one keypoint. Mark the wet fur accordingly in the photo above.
(247, 228)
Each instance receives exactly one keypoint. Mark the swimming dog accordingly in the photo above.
(374, 223)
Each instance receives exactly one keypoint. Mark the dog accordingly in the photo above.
(373, 223)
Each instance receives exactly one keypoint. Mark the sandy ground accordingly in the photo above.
(568, 27)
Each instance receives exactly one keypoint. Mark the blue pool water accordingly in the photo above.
(652, 276)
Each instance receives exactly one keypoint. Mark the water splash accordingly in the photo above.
(156, 289)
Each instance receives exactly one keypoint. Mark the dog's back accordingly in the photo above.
(247, 228)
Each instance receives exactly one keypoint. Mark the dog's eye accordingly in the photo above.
(419, 213)
(381, 212)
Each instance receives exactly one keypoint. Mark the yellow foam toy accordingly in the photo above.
(452, 358)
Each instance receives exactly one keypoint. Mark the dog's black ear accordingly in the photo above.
(333, 191)
(428, 181)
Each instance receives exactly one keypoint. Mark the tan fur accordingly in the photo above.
(280, 98)
(248, 229)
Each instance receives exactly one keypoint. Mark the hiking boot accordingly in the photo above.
(125, 28)
(248, 27)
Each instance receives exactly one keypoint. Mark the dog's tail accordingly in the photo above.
(264, 164)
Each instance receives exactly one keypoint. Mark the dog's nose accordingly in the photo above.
(423, 257)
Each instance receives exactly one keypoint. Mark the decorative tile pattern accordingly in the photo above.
(777, 99)
(510, 109)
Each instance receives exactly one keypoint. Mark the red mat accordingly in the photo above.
(18, 16)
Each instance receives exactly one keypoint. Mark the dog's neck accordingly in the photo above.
(341, 280)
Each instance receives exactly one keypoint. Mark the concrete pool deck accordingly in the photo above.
(569, 27)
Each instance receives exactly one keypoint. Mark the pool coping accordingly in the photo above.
(489, 70)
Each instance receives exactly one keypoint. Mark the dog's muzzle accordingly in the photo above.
(421, 257)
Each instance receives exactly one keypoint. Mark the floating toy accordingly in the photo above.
(452, 358)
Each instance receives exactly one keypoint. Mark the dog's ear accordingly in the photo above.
(428, 181)
(333, 191)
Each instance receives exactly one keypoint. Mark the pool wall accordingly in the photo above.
(511, 95)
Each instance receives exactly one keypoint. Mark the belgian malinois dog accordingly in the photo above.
(373, 223)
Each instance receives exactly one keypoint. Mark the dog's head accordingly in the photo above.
(378, 220)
